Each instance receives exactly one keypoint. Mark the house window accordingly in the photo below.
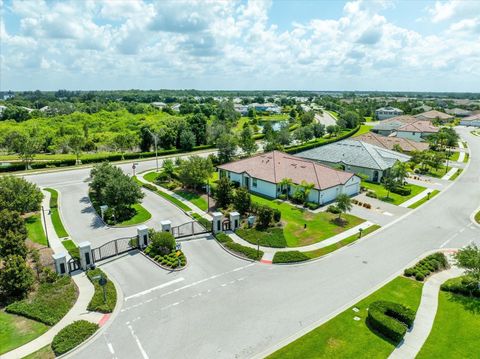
(254, 182)
(413, 133)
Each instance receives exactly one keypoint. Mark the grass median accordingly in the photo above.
(97, 303)
(393, 198)
(424, 199)
(35, 229)
(55, 214)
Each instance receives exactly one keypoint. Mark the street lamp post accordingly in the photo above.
(448, 158)
(45, 225)
(208, 195)
(155, 139)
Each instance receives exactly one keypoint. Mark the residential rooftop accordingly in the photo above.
(391, 142)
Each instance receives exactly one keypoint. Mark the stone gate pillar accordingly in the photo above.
(166, 225)
(234, 220)
(217, 222)
(86, 260)
(143, 238)
(60, 261)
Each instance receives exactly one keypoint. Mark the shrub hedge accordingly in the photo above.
(428, 265)
(169, 260)
(402, 191)
(290, 257)
(97, 303)
(72, 335)
(464, 285)
(248, 252)
(49, 303)
(390, 319)
(222, 237)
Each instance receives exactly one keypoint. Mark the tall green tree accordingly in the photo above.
(187, 139)
(17, 194)
(124, 141)
(195, 171)
(76, 143)
(25, 145)
(242, 200)
(468, 258)
(16, 277)
(227, 147)
(247, 142)
(223, 193)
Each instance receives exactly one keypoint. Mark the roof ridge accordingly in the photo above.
(373, 147)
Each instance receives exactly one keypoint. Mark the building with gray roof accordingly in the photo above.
(356, 157)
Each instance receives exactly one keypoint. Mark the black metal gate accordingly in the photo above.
(114, 248)
(73, 264)
(226, 225)
(189, 229)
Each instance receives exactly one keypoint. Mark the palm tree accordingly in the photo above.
(286, 183)
(306, 188)
(344, 204)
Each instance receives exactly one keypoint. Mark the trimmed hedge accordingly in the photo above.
(248, 252)
(290, 257)
(100, 158)
(49, 303)
(428, 265)
(390, 319)
(222, 237)
(96, 303)
(402, 191)
(464, 285)
(72, 335)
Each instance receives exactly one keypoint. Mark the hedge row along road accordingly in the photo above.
(227, 289)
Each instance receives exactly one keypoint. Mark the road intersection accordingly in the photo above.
(225, 307)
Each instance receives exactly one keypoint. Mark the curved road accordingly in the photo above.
(223, 307)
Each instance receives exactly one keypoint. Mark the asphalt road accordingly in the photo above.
(228, 308)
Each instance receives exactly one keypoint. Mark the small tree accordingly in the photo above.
(227, 147)
(195, 171)
(265, 215)
(468, 258)
(25, 145)
(242, 200)
(285, 184)
(223, 193)
(76, 143)
(187, 140)
(169, 168)
(162, 243)
(17, 194)
(344, 204)
(389, 182)
(124, 141)
(247, 142)
(16, 278)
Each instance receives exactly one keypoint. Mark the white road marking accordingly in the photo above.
(448, 240)
(110, 348)
(388, 214)
(155, 288)
(142, 351)
(462, 230)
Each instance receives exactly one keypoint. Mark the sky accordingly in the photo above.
(373, 45)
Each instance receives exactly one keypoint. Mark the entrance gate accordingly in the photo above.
(190, 229)
(114, 248)
(73, 264)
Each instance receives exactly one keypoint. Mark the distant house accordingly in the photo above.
(391, 143)
(434, 115)
(423, 108)
(242, 109)
(416, 131)
(356, 157)
(473, 120)
(387, 127)
(2, 108)
(384, 113)
(159, 105)
(266, 107)
(263, 173)
(458, 112)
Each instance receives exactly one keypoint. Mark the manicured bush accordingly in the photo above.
(97, 303)
(390, 319)
(265, 215)
(203, 221)
(465, 285)
(248, 252)
(371, 194)
(72, 335)
(290, 257)
(277, 215)
(334, 209)
(402, 191)
(222, 237)
(283, 197)
(312, 205)
(162, 243)
(171, 259)
(319, 142)
(49, 303)
(428, 265)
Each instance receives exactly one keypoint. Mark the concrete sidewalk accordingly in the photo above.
(422, 326)
(194, 208)
(416, 198)
(450, 173)
(53, 240)
(311, 247)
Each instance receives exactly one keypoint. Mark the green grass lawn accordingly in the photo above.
(467, 156)
(477, 217)
(363, 129)
(239, 127)
(454, 156)
(424, 199)
(456, 174)
(71, 248)
(320, 225)
(16, 331)
(334, 114)
(272, 237)
(393, 197)
(35, 229)
(141, 216)
(97, 303)
(343, 337)
(55, 214)
(368, 119)
(151, 176)
(194, 198)
(455, 331)
(44, 353)
(274, 117)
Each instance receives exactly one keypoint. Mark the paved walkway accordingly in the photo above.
(194, 208)
(416, 337)
(415, 199)
(461, 157)
(450, 173)
(77, 312)
(310, 247)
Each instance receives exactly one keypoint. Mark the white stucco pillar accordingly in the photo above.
(143, 239)
(166, 225)
(234, 220)
(60, 261)
(86, 260)
(217, 222)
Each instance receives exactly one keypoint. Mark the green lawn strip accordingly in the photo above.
(320, 225)
(150, 176)
(73, 335)
(271, 237)
(363, 129)
(393, 197)
(368, 119)
(71, 248)
(424, 199)
(97, 303)
(456, 174)
(44, 353)
(203, 221)
(477, 217)
(165, 195)
(194, 198)
(467, 156)
(334, 114)
(55, 214)
(455, 331)
(344, 337)
(454, 156)
(35, 229)
(248, 252)
(141, 216)
(16, 330)
(49, 303)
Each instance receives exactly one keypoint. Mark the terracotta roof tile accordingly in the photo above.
(390, 142)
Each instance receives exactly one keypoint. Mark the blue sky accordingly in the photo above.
(258, 44)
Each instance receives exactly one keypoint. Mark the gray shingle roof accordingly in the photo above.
(355, 153)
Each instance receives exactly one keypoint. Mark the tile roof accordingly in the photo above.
(418, 126)
(394, 123)
(433, 114)
(472, 117)
(390, 142)
(275, 166)
(355, 153)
